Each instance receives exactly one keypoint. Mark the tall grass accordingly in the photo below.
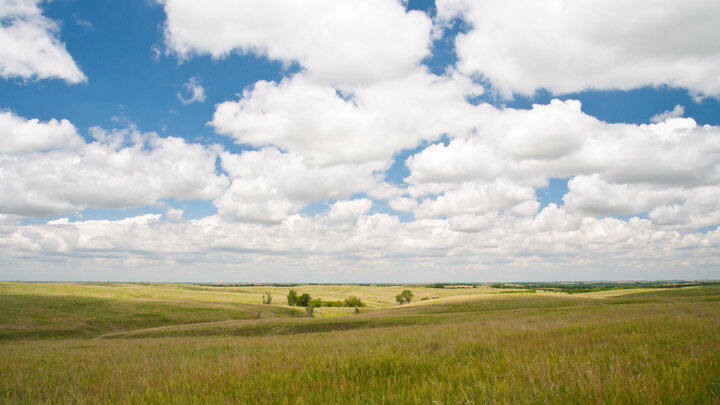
(659, 347)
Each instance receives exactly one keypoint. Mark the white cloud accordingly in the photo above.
(311, 119)
(268, 185)
(30, 47)
(351, 210)
(192, 92)
(615, 168)
(337, 41)
(568, 46)
(478, 197)
(48, 169)
(348, 239)
(20, 135)
(591, 195)
(676, 112)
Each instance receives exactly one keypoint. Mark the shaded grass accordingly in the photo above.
(38, 316)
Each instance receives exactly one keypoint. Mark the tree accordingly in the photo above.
(267, 298)
(353, 301)
(292, 298)
(404, 297)
(303, 300)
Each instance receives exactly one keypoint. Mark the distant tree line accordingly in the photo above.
(580, 287)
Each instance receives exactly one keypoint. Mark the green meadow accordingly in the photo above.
(462, 344)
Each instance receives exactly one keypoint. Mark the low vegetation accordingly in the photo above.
(305, 300)
(79, 343)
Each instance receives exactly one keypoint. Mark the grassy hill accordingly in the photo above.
(200, 344)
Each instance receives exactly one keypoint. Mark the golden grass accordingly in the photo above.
(640, 347)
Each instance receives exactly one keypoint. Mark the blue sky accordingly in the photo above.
(381, 141)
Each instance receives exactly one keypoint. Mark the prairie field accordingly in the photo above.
(175, 343)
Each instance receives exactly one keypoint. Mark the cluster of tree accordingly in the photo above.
(404, 297)
(295, 300)
(304, 300)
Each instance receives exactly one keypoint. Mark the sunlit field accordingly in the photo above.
(168, 343)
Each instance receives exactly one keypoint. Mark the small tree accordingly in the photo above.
(353, 301)
(267, 298)
(303, 300)
(404, 297)
(292, 298)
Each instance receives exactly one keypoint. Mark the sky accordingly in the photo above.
(359, 140)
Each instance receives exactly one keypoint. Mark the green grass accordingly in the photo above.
(636, 347)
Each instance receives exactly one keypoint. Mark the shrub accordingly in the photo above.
(267, 298)
(353, 301)
(317, 302)
(292, 298)
(309, 310)
(303, 300)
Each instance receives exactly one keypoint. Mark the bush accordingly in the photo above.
(267, 298)
(317, 302)
(353, 301)
(309, 310)
(303, 300)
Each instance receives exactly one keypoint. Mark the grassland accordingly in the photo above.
(131, 343)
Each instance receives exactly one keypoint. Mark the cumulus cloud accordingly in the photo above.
(332, 145)
(192, 92)
(268, 184)
(20, 135)
(30, 47)
(565, 46)
(676, 112)
(311, 119)
(337, 41)
(614, 168)
(48, 169)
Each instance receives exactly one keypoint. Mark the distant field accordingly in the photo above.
(168, 343)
